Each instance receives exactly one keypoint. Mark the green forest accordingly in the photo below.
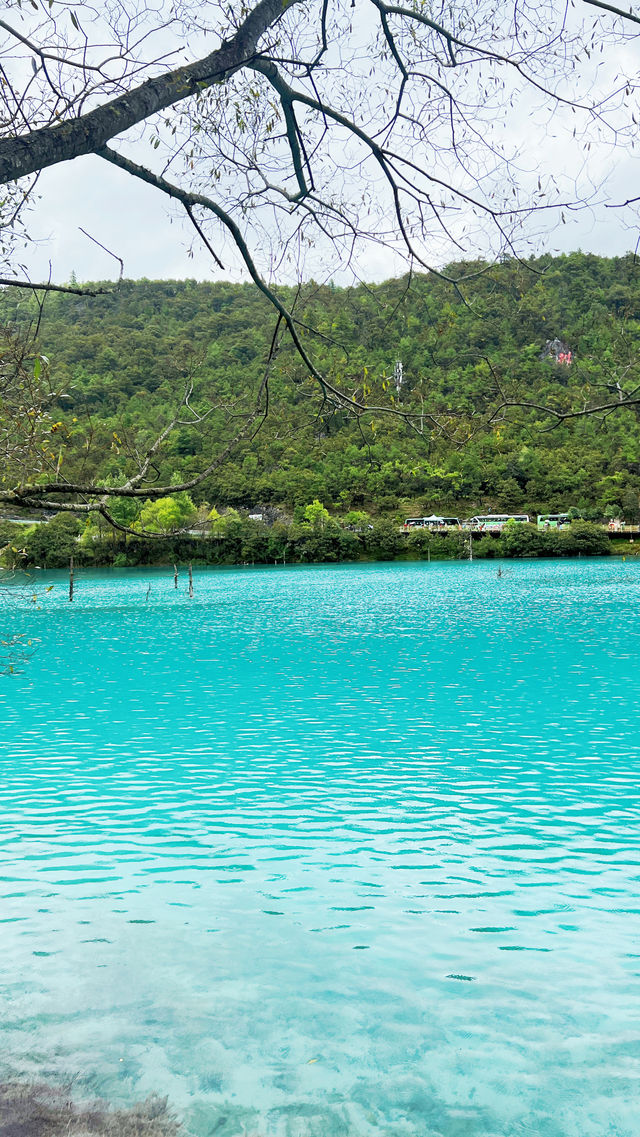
(431, 367)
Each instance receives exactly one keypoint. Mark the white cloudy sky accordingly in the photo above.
(138, 225)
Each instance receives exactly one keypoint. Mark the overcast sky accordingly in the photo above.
(136, 223)
(140, 226)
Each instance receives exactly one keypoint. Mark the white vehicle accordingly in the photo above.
(553, 520)
(494, 522)
(434, 524)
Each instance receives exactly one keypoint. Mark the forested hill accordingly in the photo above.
(123, 360)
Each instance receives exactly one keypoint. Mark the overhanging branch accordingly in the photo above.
(28, 153)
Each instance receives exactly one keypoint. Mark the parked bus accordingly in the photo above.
(553, 520)
(433, 523)
(494, 522)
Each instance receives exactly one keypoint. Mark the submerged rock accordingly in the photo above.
(39, 1110)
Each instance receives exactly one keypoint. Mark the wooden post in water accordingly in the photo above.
(190, 582)
(71, 579)
(175, 576)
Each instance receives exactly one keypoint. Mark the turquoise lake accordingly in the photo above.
(329, 851)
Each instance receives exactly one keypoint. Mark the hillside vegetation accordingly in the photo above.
(123, 360)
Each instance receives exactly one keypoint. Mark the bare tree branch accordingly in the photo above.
(51, 145)
(611, 8)
(48, 287)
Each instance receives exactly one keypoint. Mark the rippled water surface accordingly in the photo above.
(330, 851)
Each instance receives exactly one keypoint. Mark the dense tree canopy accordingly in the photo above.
(277, 126)
(121, 358)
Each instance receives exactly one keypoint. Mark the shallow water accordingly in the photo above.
(330, 851)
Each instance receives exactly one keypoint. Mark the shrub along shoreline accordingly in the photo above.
(51, 544)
